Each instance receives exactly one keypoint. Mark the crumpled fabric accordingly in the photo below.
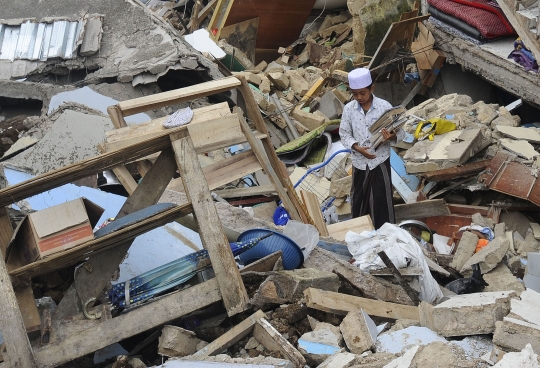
(484, 230)
(179, 118)
(402, 249)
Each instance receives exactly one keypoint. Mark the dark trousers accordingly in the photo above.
(371, 194)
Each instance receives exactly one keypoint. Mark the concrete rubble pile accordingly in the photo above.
(455, 283)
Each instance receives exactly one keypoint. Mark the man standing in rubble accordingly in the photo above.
(371, 191)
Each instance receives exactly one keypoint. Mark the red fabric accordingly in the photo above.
(489, 20)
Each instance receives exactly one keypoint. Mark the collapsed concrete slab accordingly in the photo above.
(514, 334)
(446, 150)
(470, 314)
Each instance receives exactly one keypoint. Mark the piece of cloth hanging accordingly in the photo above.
(371, 194)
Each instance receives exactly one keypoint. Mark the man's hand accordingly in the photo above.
(363, 151)
(388, 136)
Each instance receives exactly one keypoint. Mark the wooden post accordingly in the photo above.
(19, 350)
(213, 238)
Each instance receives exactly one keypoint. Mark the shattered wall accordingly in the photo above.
(371, 19)
(134, 42)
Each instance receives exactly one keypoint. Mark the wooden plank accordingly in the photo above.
(6, 230)
(126, 325)
(214, 240)
(217, 22)
(200, 115)
(272, 340)
(298, 212)
(46, 327)
(421, 57)
(82, 169)
(246, 191)
(264, 264)
(99, 247)
(24, 295)
(202, 14)
(457, 172)
(19, 351)
(314, 209)
(314, 90)
(359, 224)
(370, 286)
(409, 271)
(176, 96)
(432, 207)
(267, 166)
(404, 284)
(225, 171)
(232, 336)
(116, 117)
(122, 174)
(331, 302)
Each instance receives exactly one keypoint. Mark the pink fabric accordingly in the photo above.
(489, 20)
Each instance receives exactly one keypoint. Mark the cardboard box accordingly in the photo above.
(53, 230)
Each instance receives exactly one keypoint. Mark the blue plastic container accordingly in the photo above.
(291, 252)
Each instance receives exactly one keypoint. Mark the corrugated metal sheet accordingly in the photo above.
(40, 41)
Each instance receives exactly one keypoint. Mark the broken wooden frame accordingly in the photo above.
(177, 152)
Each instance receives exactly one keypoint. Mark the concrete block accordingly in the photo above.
(288, 286)
(501, 120)
(279, 79)
(501, 279)
(261, 66)
(528, 245)
(341, 187)
(338, 28)
(307, 119)
(177, 342)
(274, 67)
(318, 325)
(480, 220)
(92, 37)
(250, 77)
(465, 250)
(488, 257)
(398, 341)
(470, 314)
(405, 360)
(299, 85)
(265, 85)
(330, 105)
(500, 229)
(437, 354)
(317, 346)
(513, 334)
(339, 360)
(359, 332)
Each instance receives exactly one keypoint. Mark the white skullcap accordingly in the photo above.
(359, 78)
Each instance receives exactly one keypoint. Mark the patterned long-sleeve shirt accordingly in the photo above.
(354, 128)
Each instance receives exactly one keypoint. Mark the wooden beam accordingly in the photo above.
(217, 22)
(176, 96)
(267, 166)
(19, 351)
(404, 284)
(214, 240)
(104, 265)
(253, 112)
(82, 169)
(6, 230)
(337, 303)
(122, 174)
(359, 224)
(422, 209)
(116, 117)
(272, 340)
(314, 209)
(232, 336)
(246, 191)
(126, 325)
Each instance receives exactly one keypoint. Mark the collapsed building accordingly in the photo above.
(174, 191)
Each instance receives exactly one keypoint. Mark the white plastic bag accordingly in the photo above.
(402, 249)
(306, 236)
